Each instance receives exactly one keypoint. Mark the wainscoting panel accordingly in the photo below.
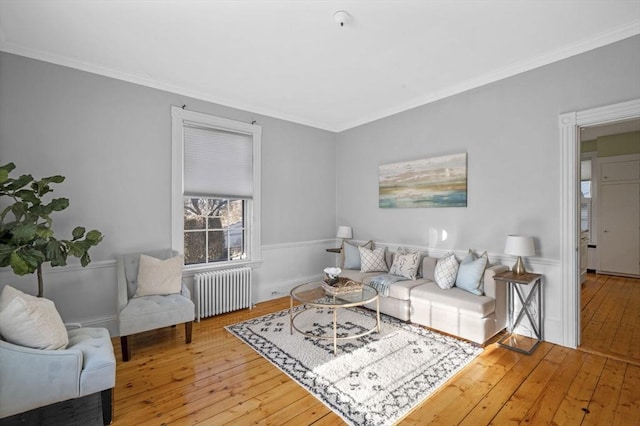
(88, 295)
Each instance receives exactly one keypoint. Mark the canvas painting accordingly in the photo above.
(430, 182)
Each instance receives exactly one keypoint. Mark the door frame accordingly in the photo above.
(570, 124)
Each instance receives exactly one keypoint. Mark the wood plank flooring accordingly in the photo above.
(610, 321)
(218, 380)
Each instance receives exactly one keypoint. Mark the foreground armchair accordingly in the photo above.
(32, 378)
(156, 305)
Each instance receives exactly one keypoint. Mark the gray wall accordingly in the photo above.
(112, 141)
(511, 134)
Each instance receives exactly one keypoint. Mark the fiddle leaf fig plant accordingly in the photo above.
(27, 239)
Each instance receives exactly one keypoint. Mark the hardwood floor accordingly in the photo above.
(610, 321)
(219, 380)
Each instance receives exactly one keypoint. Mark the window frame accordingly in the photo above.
(252, 206)
(593, 203)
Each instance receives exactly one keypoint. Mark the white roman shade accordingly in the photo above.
(217, 163)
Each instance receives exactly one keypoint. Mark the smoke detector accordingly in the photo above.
(342, 17)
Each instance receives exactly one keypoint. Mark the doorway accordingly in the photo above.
(608, 228)
(570, 205)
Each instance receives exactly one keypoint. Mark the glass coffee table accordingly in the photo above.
(313, 295)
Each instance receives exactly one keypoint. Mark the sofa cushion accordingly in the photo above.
(373, 260)
(456, 299)
(402, 289)
(350, 254)
(151, 312)
(405, 264)
(446, 271)
(470, 273)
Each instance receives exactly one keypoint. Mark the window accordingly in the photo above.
(585, 199)
(214, 230)
(215, 189)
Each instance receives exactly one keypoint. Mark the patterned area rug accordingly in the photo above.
(373, 380)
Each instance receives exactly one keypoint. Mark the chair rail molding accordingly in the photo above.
(570, 124)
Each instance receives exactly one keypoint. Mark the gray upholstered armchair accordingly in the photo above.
(33, 378)
(144, 313)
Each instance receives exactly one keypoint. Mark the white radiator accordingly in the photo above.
(222, 291)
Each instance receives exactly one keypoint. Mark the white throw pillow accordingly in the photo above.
(406, 264)
(8, 294)
(159, 277)
(446, 271)
(372, 260)
(31, 321)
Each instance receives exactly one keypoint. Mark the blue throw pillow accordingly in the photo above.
(471, 272)
(351, 253)
(351, 257)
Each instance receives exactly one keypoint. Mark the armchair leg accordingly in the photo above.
(188, 326)
(107, 406)
(126, 350)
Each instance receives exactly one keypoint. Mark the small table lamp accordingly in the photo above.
(344, 232)
(518, 245)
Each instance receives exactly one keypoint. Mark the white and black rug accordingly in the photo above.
(373, 380)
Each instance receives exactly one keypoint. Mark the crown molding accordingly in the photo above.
(599, 40)
(156, 84)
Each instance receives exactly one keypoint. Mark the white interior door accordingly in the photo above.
(619, 239)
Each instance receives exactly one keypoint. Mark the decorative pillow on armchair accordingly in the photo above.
(351, 254)
(373, 260)
(471, 272)
(31, 321)
(159, 277)
(446, 271)
(406, 264)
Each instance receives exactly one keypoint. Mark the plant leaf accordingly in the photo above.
(55, 253)
(76, 248)
(59, 204)
(94, 236)
(24, 233)
(44, 232)
(19, 265)
(27, 195)
(16, 184)
(4, 175)
(78, 232)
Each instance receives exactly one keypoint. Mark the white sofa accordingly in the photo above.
(453, 311)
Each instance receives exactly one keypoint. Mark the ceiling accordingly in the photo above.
(291, 59)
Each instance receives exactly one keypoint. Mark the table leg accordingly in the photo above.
(378, 313)
(510, 303)
(335, 331)
(291, 315)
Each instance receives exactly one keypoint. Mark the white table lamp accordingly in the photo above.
(518, 245)
(344, 232)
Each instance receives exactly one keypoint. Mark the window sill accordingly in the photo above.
(191, 270)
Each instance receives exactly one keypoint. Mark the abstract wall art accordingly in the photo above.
(430, 182)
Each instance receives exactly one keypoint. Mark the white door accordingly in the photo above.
(619, 240)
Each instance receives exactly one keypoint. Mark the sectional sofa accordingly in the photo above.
(456, 311)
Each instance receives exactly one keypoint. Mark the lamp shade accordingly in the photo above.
(519, 245)
(344, 232)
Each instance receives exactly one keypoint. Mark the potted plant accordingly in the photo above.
(26, 236)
